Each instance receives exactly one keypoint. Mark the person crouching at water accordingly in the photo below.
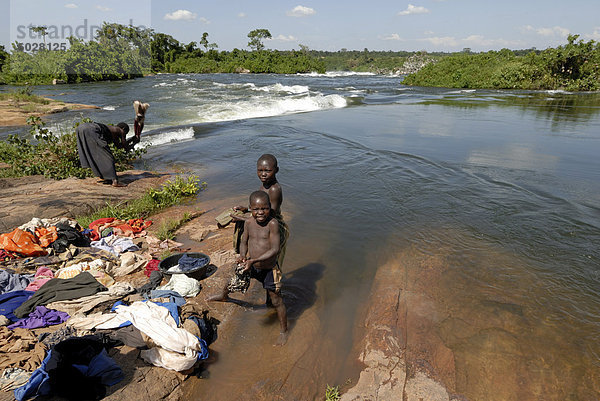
(92, 145)
(259, 248)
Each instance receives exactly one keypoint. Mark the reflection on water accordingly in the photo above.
(561, 109)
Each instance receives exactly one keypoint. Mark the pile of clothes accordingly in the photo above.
(53, 272)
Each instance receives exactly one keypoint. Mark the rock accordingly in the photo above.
(405, 359)
(143, 382)
(35, 196)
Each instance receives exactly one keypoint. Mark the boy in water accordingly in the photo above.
(259, 248)
(266, 169)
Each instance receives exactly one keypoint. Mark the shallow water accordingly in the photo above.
(502, 185)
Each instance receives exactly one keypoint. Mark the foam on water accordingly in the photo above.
(109, 108)
(164, 84)
(167, 137)
(294, 89)
(461, 91)
(554, 91)
(268, 107)
(334, 74)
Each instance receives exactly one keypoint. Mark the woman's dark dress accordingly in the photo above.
(94, 153)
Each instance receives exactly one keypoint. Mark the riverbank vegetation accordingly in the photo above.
(124, 52)
(53, 155)
(573, 67)
(170, 193)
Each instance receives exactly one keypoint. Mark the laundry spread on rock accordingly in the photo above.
(73, 283)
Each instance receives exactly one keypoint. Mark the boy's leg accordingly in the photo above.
(277, 301)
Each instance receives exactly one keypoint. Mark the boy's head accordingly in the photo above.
(124, 127)
(266, 168)
(260, 206)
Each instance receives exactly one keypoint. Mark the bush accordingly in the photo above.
(574, 66)
(54, 156)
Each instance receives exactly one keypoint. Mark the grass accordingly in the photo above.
(170, 193)
(23, 95)
(332, 393)
(167, 228)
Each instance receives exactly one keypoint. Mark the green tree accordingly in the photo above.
(3, 56)
(190, 47)
(164, 48)
(204, 40)
(256, 37)
(41, 30)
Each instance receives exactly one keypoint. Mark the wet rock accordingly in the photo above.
(405, 358)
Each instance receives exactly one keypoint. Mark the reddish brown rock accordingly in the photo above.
(404, 357)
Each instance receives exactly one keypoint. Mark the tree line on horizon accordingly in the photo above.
(124, 52)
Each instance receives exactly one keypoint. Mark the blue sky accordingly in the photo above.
(432, 25)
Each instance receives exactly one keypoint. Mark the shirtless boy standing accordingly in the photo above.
(267, 169)
(259, 248)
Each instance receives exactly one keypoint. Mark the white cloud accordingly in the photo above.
(412, 9)
(478, 40)
(204, 20)
(441, 41)
(548, 31)
(301, 11)
(180, 15)
(241, 15)
(284, 38)
(393, 36)
(428, 33)
(102, 8)
(71, 5)
(594, 35)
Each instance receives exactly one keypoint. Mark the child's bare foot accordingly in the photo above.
(282, 339)
(118, 184)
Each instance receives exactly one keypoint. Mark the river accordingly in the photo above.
(506, 184)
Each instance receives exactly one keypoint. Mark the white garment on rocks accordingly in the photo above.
(177, 348)
(184, 285)
(37, 222)
(115, 244)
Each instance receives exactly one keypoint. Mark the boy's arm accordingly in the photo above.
(244, 244)
(131, 142)
(275, 196)
(274, 240)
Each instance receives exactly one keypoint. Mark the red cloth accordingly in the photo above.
(94, 225)
(151, 266)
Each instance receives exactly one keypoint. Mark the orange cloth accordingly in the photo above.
(123, 230)
(22, 242)
(46, 236)
(138, 225)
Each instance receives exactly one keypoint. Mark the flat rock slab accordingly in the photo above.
(15, 113)
(24, 198)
